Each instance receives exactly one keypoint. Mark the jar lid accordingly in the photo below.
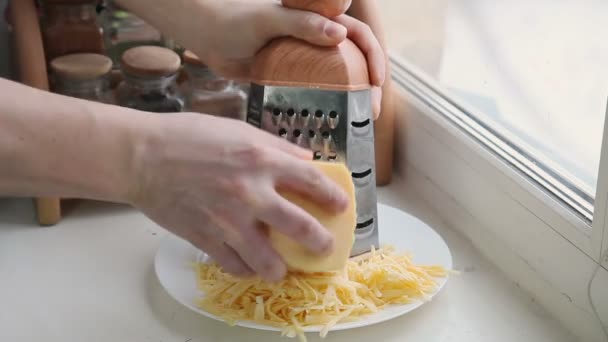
(81, 66)
(150, 61)
(192, 59)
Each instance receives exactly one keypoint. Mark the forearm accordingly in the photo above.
(52, 145)
(175, 18)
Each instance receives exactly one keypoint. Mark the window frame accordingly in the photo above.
(600, 223)
(587, 235)
(540, 244)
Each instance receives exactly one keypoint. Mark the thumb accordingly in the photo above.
(309, 26)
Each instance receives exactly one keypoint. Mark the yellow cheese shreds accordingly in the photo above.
(369, 283)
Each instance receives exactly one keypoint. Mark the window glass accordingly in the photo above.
(534, 71)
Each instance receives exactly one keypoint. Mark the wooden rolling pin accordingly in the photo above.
(28, 52)
(367, 11)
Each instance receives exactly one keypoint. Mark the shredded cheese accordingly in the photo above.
(368, 284)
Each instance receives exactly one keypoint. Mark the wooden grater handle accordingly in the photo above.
(327, 8)
(292, 62)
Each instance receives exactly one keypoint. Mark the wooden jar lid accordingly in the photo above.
(192, 59)
(81, 66)
(150, 61)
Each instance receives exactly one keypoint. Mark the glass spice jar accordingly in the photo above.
(210, 94)
(149, 74)
(84, 75)
(71, 27)
(124, 30)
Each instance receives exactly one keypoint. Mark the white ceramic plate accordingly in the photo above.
(173, 265)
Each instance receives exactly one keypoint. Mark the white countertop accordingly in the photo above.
(91, 279)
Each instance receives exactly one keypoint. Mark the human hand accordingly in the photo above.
(248, 25)
(214, 182)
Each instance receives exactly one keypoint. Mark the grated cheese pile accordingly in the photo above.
(369, 283)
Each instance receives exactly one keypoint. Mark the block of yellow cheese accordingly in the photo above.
(341, 225)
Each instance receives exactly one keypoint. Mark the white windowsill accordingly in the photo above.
(483, 202)
(93, 280)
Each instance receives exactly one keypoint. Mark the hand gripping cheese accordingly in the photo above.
(340, 225)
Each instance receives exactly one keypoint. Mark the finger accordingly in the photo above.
(328, 9)
(261, 137)
(224, 255)
(242, 233)
(305, 25)
(256, 250)
(295, 222)
(285, 146)
(363, 36)
(230, 260)
(305, 179)
(376, 101)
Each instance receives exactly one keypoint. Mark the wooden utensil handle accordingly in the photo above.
(290, 62)
(28, 53)
(327, 8)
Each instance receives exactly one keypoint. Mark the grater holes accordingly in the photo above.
(360, 124)
(304, 118)
(365, 224)
(282, 132)
(297, 133)
(311, 134)
(319, 119)
(333, 119)
(291, 112)
(317, 155)
(325, 135)
(333, 156)
(277, 116)
(359, 175)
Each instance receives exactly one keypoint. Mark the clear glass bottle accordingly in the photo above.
(210, 94)
(245, 88)
(149, 80)
(71, 27)
(85, 76)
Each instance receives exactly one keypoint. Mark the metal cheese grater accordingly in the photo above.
(332, 120)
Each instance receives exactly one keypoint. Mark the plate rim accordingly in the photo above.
(362, 322)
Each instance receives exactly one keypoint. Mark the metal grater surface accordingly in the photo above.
(337, 126)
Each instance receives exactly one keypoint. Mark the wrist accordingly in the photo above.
(142, 137)
(120, 142)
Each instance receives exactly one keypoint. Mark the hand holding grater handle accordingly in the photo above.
(319, 97)
(327, 8)
(292, 62)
